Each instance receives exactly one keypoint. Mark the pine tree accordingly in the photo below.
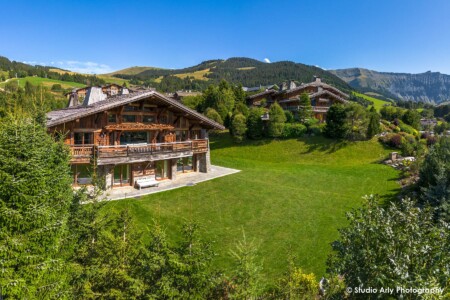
(277, 118)
(239, 127)
(374, 124)
(254, 123)
(35, 195)
(336, 126)
(305, 110)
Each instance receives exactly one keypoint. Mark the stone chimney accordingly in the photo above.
(317, 79)
(73, 99)
(292, 85)
(94, 94)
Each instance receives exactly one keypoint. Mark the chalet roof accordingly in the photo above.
(267, 92)
(325, 92)
(61, 116)
(314, 84)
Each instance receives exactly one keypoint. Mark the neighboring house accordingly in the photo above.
(131, 136)
(428, 123)
(322, 96)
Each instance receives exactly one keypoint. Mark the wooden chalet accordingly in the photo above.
(132, 136)
(322, 96)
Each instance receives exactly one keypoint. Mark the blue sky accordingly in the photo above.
(101, 36)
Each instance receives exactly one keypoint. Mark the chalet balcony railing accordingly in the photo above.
(313, 108)
(85, 152)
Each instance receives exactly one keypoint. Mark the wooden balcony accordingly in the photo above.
(320, 109)
(315, 109)
(136, 152)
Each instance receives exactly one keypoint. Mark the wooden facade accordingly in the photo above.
(127, 137)
(322, 96)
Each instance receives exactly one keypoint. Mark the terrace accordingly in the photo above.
(136, 152)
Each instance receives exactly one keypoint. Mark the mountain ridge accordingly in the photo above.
(428, 87)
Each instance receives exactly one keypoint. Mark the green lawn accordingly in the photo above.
(377, 103)
(291, 195)
(45, 82)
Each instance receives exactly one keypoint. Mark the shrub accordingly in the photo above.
(431, 140)
(289, 116)
(277, 118)
(317, 129)
(254, 123)
(292, 130)
(213, 115)
(56, 87)
(239, 127)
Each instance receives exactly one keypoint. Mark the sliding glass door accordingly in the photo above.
(122, 175)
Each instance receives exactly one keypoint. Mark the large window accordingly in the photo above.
(82, 174)
(129, 118)
(162, 169)
(185, 164)
(122, 175)
(82, 138)
(134, 137)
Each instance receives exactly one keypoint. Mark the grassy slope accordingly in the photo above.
(291, 194)
(132, 70)
(45, 82)
(376, 102)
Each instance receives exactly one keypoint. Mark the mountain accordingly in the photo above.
(246, 71)
(429, 87)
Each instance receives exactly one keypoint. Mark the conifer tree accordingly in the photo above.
(35, 195)
(277, 118)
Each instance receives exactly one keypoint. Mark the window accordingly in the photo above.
(122, 175)
(131, 108)
(148, 119)
(112, 118)
(81, 174)
(129, 118)
(185, 164)
(149, 108)
(133, 137)
(82, 138)
(163, 120)
(162, 169)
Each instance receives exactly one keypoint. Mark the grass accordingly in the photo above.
(377, 103)
(291, 196)
(197, 74)
(45, 82)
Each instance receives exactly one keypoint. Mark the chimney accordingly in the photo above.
(292, 85)
(94, 94)
(317, 79)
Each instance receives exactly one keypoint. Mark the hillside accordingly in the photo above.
(290, 194)
(246, 71)
(428, 87)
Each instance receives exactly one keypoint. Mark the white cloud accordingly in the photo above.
(267, 60)
(85, 67)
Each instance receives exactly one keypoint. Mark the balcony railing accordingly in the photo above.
(313, 108)
(86, 152)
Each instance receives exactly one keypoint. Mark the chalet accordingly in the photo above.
(129, 136)
(322, 96)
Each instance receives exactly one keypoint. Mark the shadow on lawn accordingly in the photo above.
(323, 144)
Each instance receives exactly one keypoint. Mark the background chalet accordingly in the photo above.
(128, 136)
(322, 96)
